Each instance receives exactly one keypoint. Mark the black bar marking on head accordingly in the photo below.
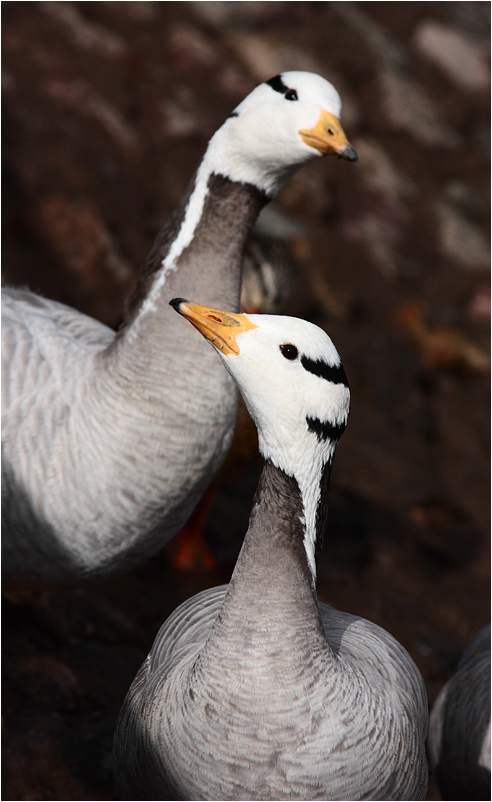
(325, 430)
(277, 84)
(233, 114)
(332, 373)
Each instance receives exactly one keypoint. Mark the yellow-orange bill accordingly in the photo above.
(221, 328)
(328, 137)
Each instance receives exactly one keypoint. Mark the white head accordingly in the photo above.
(292, 380)
(282, 124)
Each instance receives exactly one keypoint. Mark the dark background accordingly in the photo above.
(107, 111)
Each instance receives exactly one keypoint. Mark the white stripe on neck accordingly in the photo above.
(227, 156)
(310, 489)
(193, 213)
(308, 472)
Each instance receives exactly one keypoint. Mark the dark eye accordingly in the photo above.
(289, 351)
(291, 94)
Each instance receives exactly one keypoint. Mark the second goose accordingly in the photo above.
(255, 691)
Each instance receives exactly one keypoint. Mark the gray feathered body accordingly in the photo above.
(306, 729)
(254, 691)
(109, 440)
(459, 728)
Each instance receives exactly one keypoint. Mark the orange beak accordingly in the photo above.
(328, 137)
(220, 328)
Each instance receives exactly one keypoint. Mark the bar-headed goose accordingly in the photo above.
(256, 691)
(109, 440)
(459, 727)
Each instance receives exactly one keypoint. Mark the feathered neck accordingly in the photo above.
(197, 254)
(209, 229)
(272, 589)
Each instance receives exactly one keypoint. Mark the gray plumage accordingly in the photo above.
(459, 727)
(255, 691)
(108, 441)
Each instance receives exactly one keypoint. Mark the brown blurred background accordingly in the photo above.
(108, 107)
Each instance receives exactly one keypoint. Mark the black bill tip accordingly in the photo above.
(350, 154)
(176, 303)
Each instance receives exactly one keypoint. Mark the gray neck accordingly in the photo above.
(271, 598)
(214, 220)
(225, 218)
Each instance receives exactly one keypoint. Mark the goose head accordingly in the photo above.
(281, 125)
(294, 385)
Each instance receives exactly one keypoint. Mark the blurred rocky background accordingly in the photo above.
(107, 110)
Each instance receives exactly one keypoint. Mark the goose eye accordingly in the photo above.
(289, 351)
(291, 94)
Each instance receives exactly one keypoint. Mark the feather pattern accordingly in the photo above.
(376, 733)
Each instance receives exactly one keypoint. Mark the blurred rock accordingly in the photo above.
(308, 193)
(380, 238)
(461, 60)
(267, 55)
(222, 14)
(80, 239)
(479, 306)
(379, 228)
(85, 249)
(441, 348)
(379, 173)
(445, 533)
(385, 47)
(53, 680)
(351, 110)
(472, 15)
(407, 108)
(190, 47)
(328, 299)
(466, 200)
(180, 115)
(346, 540)
(8, 81)
(138, 10)
(482, 138)
(89, 36)
(461, 241)
(234, 82)
(82, 97)
(35, 767)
